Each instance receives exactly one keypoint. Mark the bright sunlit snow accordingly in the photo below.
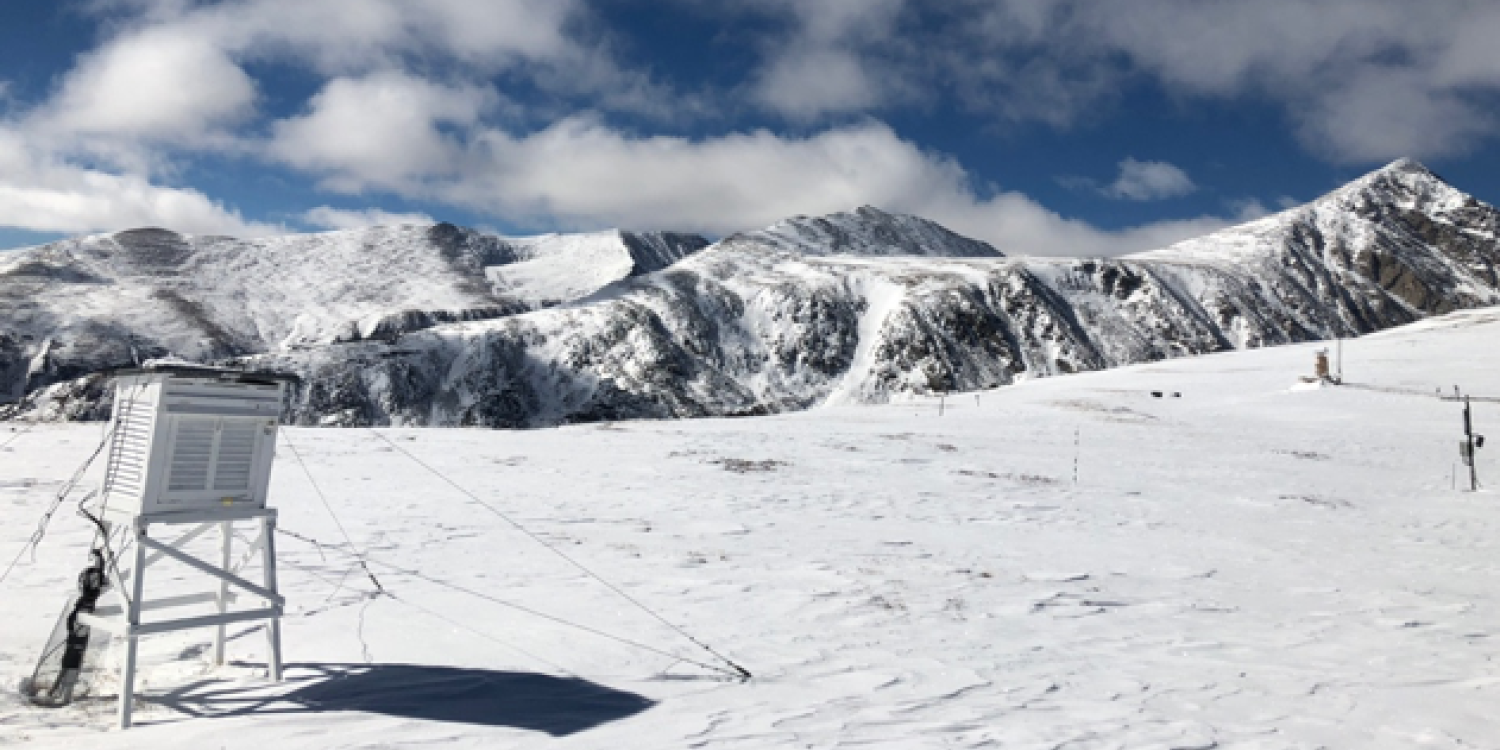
(1248, 565)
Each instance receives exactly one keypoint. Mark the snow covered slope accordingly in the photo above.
(1245, 566)
(86, 304)
(867, 306)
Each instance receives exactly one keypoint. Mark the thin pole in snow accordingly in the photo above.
(942, 400)
(1077, 431)
(1469, 456)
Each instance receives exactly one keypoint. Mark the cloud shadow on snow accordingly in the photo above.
(559, 706)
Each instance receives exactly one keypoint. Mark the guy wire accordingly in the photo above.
(739, 670)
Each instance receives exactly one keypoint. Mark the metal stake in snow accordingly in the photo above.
(1470, 442)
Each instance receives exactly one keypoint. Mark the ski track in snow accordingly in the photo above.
(1245, 566)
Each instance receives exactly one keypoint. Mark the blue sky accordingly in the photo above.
(1062, 127)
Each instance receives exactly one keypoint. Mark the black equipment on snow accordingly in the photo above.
(68, 666)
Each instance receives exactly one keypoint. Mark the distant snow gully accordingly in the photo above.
(190, 448)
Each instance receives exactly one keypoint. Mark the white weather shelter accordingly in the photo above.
(189, 447)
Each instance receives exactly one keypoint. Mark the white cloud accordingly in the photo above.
(153, 85)
(1061, 62)
(382, 131)
(1379, 114)
(582, 173)
(1250, 209)
(173, 74)
(328, 217)
(1469, 57)
(1148, 181)
(1362, 80)
(174, 78)
(491, 33)
(826, 64)
(543, 42)
(42, 194)
(170, 82)
(806, 84)
(340, 37)
(1018, 225)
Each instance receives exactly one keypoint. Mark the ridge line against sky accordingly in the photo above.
(1050, 127)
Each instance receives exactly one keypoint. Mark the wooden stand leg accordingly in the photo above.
(273, 626)
(132, 620)
(134, 602)
(225, 530)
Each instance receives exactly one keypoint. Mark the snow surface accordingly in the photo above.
(1243, 566)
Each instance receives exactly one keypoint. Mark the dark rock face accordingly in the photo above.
(856, 307)
(14, 366)
(152, 251)
(653, 251)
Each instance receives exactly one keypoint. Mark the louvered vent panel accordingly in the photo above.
(129, 453)
(191, 455)
(236, 455)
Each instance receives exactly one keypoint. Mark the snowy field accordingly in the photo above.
(1243, 566)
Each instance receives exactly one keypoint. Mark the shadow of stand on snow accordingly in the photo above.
(558, 706)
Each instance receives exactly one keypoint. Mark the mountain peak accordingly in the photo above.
(1405, 164)
(1405, 172)
(1404, 183)
(867, 231)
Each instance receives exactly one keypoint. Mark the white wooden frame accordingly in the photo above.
(129, 588)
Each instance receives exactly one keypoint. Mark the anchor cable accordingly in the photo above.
(17, 436)
(340, 524)
(737, 669)
(402, 570)
(57, 501)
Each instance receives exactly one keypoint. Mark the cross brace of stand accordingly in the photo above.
(130, 591)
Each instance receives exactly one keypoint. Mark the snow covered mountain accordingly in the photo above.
(864, 306)
(81, 305)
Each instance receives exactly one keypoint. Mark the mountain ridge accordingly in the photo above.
(865, 306)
